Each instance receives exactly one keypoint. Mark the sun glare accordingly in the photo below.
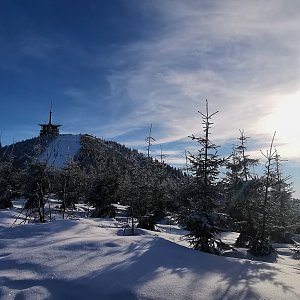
(284, 119)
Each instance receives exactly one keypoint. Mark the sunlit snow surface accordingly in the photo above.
(61, 150)
(91, 259)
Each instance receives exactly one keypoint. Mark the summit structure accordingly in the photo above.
(49, 129)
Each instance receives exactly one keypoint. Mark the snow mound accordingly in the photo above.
(68, 259)
(61, 150)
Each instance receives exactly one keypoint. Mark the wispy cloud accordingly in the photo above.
(239, 55)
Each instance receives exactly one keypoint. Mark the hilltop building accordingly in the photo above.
(49, 129)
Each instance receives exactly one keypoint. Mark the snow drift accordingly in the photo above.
(90, 259)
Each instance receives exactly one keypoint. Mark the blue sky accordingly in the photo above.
(111, 68)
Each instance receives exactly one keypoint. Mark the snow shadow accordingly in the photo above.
(137, 268)
(59, 290)
(162, 260)
(22, 238)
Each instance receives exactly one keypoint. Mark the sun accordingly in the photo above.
(285, 120)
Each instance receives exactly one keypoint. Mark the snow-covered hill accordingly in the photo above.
(61, 149)
(91, 259)
(88, 151)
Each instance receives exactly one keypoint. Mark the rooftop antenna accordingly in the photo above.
(49, 129)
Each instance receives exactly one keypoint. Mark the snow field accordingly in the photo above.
(60, 150)
(90, 259)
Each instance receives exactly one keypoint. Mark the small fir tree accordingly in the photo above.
(281, 208)
(241, 189)
(261, 245)
(203, 195)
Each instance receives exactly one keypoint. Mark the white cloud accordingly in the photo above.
(236, 54)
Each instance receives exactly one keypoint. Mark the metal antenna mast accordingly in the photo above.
(148, 139)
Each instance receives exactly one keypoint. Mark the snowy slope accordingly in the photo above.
(90, 259)
(61, 149)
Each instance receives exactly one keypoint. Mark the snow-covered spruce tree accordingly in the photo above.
(7, 183)
(261, 245)
(238, 179)
(139, 193)
(241, 189)
(277, 212)
(146, 188)
(280, 208)
(199, 213)
(68, 185)
(135, 194)
(10, 177)
(38, 186)
(295, 215)
(104, 186)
